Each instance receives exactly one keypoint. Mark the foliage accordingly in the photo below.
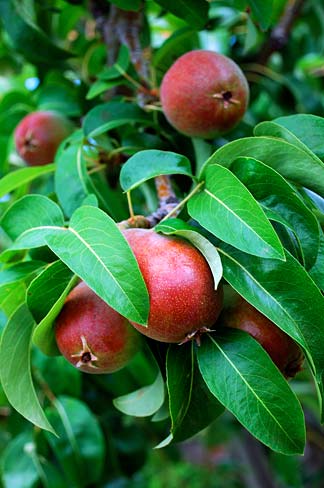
(252, 202)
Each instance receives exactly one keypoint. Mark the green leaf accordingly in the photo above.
(194, 12)
(71, 167)
(79, 447)
(120, 66)
(188, 394)
(11, 297)
(30, 219)
(150, 163)
(317, 271)
(26, 37)
(61, 377)
(15, 371)
(143, 402)
(243, 378)
(45, 298)
(284, 292)
(274, 129)
(262, 12)
(208, 250)
(127, 4)
(113, 114)
(290, 161)
(20, 177)
(17, 466)
(308, 128)
(94, 249)
(277, 196)
(229, 211)
(20, 271)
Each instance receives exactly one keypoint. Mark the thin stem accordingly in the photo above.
(130, 205)
(177, 207)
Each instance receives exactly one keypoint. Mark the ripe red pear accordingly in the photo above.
(39, 134)
(282, 349)
(204, 94)
(183, 300)
(92, 336)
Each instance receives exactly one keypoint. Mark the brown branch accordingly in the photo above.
(280, 34)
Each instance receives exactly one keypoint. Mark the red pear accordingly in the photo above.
(204, 94)
(282, 349)
(183, 301)
(38, 135)
(92, 336)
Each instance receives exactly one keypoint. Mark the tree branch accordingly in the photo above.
(280, 33)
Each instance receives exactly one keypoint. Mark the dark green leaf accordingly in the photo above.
(11, 297)
(150, 163)
(229, 211)
(317, 271)
(121, 65)
(243, 378)
(26, 38)
(208, 250)
(80, 446)
(290, 161)
(188, 394)
(127, 4)
(94, 249)
(194, 12)
(262, 11)
(15, 371)
(277, 196)
(111, 115)
(284, 292)
(45, 298)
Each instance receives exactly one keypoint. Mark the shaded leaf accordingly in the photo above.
(188, 394)
(45, 298)
(79, 447)
(194, 12)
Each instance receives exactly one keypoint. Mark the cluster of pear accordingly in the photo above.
(203, 94)
(183, 305)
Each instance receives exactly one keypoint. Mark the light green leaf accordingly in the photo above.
(143, 402)
(95, 250)
(30, 219)
(150, 163)
(20, 177)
